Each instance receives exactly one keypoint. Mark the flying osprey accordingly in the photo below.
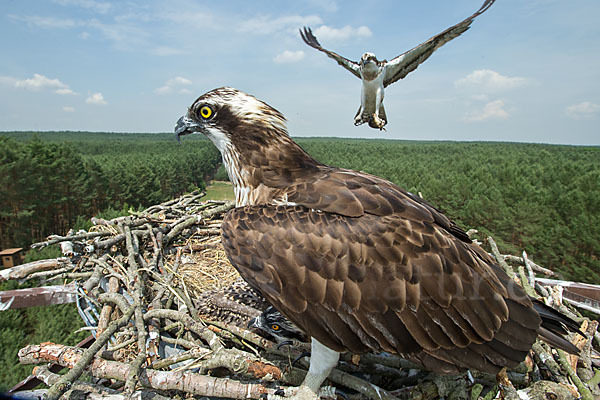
(377, 75)
(355, 261)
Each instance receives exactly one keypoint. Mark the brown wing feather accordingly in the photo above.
(398, 67)
(310, 39)
(353, 194)
(378, 287)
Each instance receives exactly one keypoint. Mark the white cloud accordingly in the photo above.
(179, 80)
(163, 90)
(125, 35)
(266, 25)
(166, 51)
(583, 110)
(128, 35)
(39, 82)
(177, 84)
(327, 5)
(190, 18)
(289, 56)
(490, 81)
(64, 91)
(492, 110)
(97, 6)
(96, 98)
(68, 109)
(45, 22)
(328, 33)
(480, 97)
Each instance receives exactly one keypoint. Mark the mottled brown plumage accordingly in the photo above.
(356, 261)
(374, 284)
(236, 304)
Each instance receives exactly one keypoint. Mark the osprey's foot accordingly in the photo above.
(377, 123)
(303, 392)
(294, 393)
(359, 120)
(296, 344)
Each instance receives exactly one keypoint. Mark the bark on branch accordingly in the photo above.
(188, 382)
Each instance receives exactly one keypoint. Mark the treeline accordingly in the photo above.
(48, 180)
(544, 199)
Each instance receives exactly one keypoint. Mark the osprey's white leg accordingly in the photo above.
(379, 122)
(322, 361)
(358, 118)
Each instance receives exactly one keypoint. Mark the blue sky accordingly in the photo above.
(526, 71)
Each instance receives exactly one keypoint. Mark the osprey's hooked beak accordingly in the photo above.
(185, 126)
(366, 59)
(253, 323)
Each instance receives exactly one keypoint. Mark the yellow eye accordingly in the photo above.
(206, 112)
(275, 327)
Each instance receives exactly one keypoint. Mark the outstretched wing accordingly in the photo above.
(391, 283)
(312, 41)
(397, 68)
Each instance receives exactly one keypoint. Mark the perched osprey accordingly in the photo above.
(376, 75)
(355, 261)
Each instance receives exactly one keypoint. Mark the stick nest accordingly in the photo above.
(144, 282)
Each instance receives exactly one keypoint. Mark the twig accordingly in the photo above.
(507, 268)
(192, 383)
(196, 352)
(113, 287)
(525, 283)
(57, 239)
(595, 381)
(533, 265)
(188, 344)
(547, 362)
(529, 267)
(23, 270)
(583, 389)
(63, 384)
(138, 293)
(195, 219)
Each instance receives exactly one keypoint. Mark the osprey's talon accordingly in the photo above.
(300, 357)
(294, 393)
(285, 343)
(331, 392)
(377, 123)
(358, 121)
(341, 393)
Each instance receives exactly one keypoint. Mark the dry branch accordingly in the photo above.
(188, 382)
(507, 268)
(24, 270)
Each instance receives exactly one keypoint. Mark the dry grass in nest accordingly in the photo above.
(208, 269)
